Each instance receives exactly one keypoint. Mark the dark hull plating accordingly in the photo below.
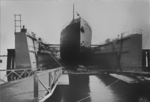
(72, 49)
(70, 43)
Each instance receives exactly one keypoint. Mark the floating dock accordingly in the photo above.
(28, 83)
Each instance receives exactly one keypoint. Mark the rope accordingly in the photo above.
(107, 86)
(83, 99)
(50, 54)
(44, 47)
(113, 83)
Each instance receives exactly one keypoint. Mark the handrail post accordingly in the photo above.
(36, 87)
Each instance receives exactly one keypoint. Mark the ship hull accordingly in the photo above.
(75, 38)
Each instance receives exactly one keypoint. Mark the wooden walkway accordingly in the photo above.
(19, 91)
(23, 90)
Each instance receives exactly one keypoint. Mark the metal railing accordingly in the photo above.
(52, 80)
(16, 74)
(47, 84)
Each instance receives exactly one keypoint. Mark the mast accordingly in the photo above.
(73, 11)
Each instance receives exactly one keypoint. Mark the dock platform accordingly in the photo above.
(31, 89)
(131, 79)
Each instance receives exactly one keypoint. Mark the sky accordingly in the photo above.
(46, 18)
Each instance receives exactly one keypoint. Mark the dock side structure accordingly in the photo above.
(27, 82)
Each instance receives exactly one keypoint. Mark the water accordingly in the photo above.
(100, 88)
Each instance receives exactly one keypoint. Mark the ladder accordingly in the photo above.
(17, 21)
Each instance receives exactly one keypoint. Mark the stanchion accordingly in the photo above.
(36, 94)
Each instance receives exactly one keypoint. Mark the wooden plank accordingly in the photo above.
(63, 80)
(20, 90)
(23, 90)
(125, 78)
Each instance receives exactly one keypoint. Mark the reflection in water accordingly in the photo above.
(100, 88)
(77, 89)
(99, 91)
(127, 92)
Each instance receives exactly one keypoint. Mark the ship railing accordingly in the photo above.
(16, 74)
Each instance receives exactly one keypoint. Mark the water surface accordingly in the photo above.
(100, 88)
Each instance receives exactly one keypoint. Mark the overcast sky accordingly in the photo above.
(107, 18)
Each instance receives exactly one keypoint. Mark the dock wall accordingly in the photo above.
(125, 53)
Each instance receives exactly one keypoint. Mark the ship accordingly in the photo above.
(75, 41)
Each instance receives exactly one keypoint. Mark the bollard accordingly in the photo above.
(35, 87)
